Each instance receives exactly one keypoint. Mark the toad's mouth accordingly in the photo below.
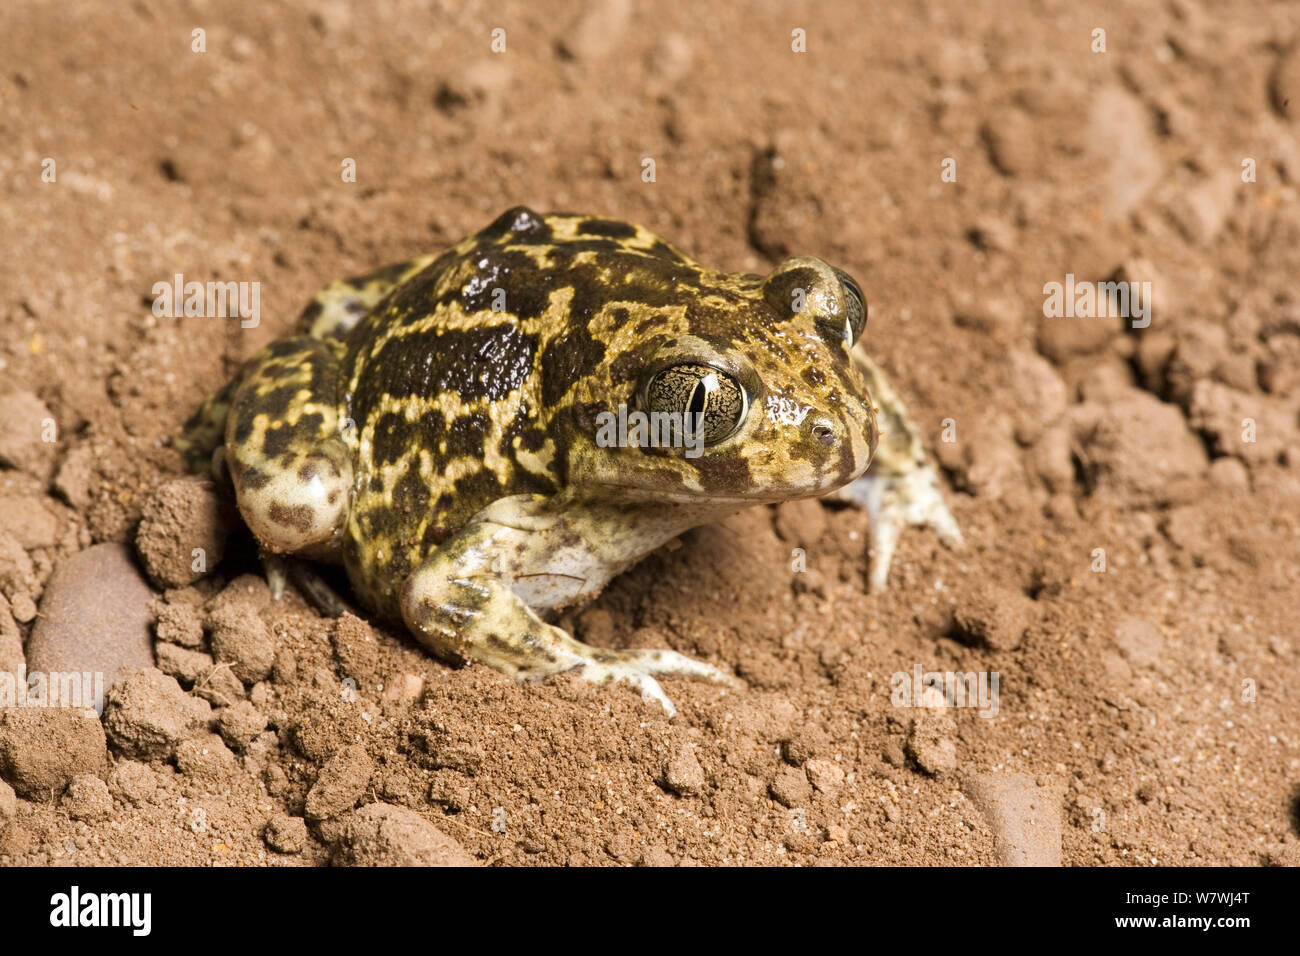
(782, 472)
(673, 488)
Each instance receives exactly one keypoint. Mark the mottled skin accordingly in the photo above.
(433, 426)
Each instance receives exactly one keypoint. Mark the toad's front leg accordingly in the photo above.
(900, 488)
(477, 597)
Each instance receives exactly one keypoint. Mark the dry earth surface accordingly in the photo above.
(1130, 497)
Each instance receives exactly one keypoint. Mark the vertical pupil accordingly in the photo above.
(699, 396)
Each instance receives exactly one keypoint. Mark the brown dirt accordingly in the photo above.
(1148, 713)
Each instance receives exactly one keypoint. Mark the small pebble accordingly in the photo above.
(1025, 818)
(683, 774)
(790, 787)
(596, 32)
(76, 478)
(23, 608)
(30, 520)
(930, 742)
(403, 686)
(657, 856)
(825, 776)
(95, 617)
(8, 804)
(17, 574)
(25, 421)
(12, 659)
(1139, 640)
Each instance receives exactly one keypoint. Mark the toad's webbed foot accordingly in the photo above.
(894, 502)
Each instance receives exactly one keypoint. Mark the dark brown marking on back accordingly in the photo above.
(475, 491)
(466, 435)
(572, 356)
(275, 442)
(610, 228)
(411, 496)
(524, 427)
(275, 402)
(482, 362)
(393, 438)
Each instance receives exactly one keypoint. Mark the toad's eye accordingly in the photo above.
(707, 399)
(855, 312)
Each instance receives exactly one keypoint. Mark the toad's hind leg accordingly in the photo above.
(288, 462)
(205, 430)
(337, 308)
(331, 314)
(900, 488)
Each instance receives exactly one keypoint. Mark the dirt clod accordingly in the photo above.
(286, 834)
(240, 723)
(340, 784)
(43, 748)
(380, 834)
(148, 715)
(183, 532)
(1126, 485)
(87, 798)
(133, 782)
(241, 639)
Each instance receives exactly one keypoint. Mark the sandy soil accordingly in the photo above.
(1147, 712)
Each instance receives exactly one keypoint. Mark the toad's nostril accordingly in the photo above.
(824, 433)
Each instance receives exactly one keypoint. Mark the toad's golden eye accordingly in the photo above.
(707, 399)
(855, 317)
